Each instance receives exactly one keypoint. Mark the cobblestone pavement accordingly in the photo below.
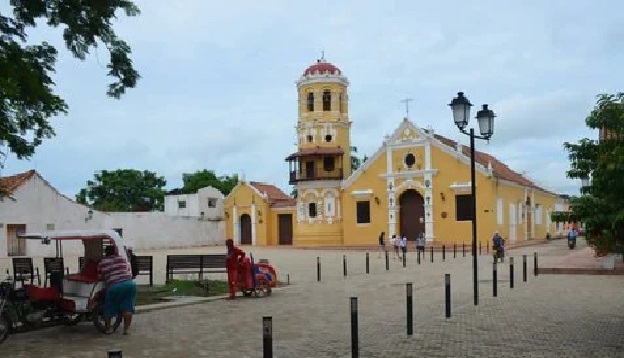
(548, 316)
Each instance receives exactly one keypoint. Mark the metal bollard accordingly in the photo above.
(318, 269)
(479, 247)
(355, 349)
(487, 249)
(410, 314)
(464, 249)
(494, 280)
(511, 272)
(115, 353)
(267, 337)
(454, 251)
(418, 256)
(344, 265)
(524, 268)
(431, 254)
(367, 263)
(387, 261)
(447, 294)
(404, 258)
(443, 253)
(535, 267)
(288, 279)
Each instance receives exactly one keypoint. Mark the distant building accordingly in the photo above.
(206, 203)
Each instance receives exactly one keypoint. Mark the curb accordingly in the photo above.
(579, 271)
(189, 302)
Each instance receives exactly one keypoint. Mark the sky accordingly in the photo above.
(218, 83)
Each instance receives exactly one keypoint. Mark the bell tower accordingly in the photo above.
(323, 157)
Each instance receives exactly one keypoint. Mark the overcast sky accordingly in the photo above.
(218, 87)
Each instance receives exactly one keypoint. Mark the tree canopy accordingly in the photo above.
(601, 163)
(192, 182)
(124, 190)
(27, 98)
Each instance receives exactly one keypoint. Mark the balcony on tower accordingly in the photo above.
(317, 163)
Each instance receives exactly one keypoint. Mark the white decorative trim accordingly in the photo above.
(461, 187)
(410, 174)
(409, 184)
(235, 223)
(253, 224)
(306, 80)
(317, 184)
(410, 143)
(332, 191)
(362, 194)
(392, 229)
(429, 216)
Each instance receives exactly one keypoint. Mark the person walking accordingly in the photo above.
(382, 243)
(420, 244)
(394, 241)
(403, 245)
(121, 290)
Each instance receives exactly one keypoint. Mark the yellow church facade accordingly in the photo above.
(416, 182)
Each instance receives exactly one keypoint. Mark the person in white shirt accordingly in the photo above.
(394, 241)
(403, 245)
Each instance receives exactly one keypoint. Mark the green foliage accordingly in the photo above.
(27, 99)
(203, 178)
(356, 161)
(601, 207)
(124, 190)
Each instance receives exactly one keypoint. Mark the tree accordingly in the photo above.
(124, 190)
(203, 178)
(355, 160)
(27, 99)
(601, 162)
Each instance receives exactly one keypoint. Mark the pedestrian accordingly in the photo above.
(232, 260)
(382, 243)
(120, 294)
(395, 243)
(420, 243)
(403, 245)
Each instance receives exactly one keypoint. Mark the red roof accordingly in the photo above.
(316, 151)
(322, 68)
(10, 183)
(275, 196)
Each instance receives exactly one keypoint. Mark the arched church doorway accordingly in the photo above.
(412, 211)
(245, 229)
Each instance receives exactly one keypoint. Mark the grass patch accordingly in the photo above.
(148, 295)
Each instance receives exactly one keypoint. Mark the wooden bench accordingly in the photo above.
(145, 265)
(195, 264)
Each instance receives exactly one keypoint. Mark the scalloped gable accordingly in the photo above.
(483, 160)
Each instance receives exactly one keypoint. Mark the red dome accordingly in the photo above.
(321, 68)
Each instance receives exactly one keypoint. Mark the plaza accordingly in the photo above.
(547, 316)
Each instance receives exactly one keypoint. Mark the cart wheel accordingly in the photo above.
(98, 319)
(72, 321)
(5, 328)
(263, 288)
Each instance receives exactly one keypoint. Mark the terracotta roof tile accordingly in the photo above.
(10, 183)
(316, 151)
(500, 169)
(275, 196)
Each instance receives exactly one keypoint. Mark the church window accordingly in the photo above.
(328, 138)
(310, 138)
(326, 100)
(312, 210)
(310, 103)
(463, 207)
(340, 103)
(362, 209)
(410, 160)
(329, 164)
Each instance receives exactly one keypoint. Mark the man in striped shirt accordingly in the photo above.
(121, 290)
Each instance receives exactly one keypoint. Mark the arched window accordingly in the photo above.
(310, 103)
(326, 100)
(312, 210)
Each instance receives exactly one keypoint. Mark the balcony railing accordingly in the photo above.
(317, 174)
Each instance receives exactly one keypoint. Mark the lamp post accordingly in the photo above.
(460, 106)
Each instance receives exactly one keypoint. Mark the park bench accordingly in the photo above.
(145, 265)
(195, 264)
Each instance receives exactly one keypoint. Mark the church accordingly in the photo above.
(416, 182)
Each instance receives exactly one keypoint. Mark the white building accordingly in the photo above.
(36, 206)
(206, 203)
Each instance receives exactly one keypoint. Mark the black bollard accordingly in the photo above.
(344, 265)
(432, 254)
(454, 250)
(418, 256)
(479, 247)
(267, 337)
(115, 353)
(447, 294)
(355, 349)
(318, 269)
(487, 249)
(404, 258)
(494, 279)
(288, 279)
(535, 272)
(387, 261)
(511, 272)
(464, 249)
(443, 253)
(524, 268)
(367, 263)
(410, 314)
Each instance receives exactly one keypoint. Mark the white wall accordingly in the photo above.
(37, 205)
(196, 204)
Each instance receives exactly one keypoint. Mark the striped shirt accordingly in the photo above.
(114, 269)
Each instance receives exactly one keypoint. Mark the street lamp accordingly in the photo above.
(460, 106)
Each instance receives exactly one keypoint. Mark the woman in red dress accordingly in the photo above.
(234, 255)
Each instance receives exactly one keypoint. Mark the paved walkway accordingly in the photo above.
(548, 316)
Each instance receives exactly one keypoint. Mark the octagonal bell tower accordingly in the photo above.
(323, 157)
